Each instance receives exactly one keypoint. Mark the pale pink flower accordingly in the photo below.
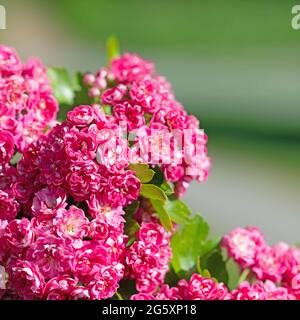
(47, 201)
(10, 63)
(71, 223)
(269, 265)
(243, 245)
(246, 291)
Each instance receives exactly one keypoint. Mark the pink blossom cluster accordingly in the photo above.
(278, 264)
(145, 101)
(197, 288)
(61, 252)
(63, 227)
(27, 105)
(202, 288)
(148, 257)
(73, 157)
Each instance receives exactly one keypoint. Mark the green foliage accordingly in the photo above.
(112, 48)
(163, 214)
(16, 158)
(132, 208)
(167, 188)
(68, 90)
(187, 243)
(153, 192)
(81, 91)
(142, 171)
(213, 261)
(62, 85)
(131, 227)
(178, 211)
(192, 251)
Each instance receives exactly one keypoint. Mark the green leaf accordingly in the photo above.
(187, 244)
(142, 171)
(107, 110)
(210, 245)
(132, 208)
(16, 158)
(167, 188)
(112, 48)
(178, 211)
(158, 178)
(153, 192)
(233, 270)
(214, 263)
(131, 227)
(206, 274)
(81, 91)
(62, 85)
(163, 214)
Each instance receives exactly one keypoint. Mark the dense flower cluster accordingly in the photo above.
(27, 106)
(197, 288)
(61, 254)
(75, 218)
(163, 131)
(278, 264)
(148, 258)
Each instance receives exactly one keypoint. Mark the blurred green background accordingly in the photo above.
(235, 64)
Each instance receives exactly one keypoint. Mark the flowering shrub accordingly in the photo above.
(90, 205)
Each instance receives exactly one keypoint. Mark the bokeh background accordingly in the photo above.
(235, 64)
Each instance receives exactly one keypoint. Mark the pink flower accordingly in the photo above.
(291, 277)
(83, 179)
(132, 114)
(89, 260)
(81, 116)
(6, 146)
(147, 258)
(9, 61)
(114, 95)
(247, 292)
(27, 106)
(277, 293)
(243, 245)
(269, 265)
(59, 288)
(167, 293)
(142, 296)
(80, 146)
(148, 93)
(9, 208)
(173, 173)
(106, 283)
(130, 67)
(120, 188)
(19, 234)
(80, 293)
(48, 200)
(177, 119)
(200, 288)
(26, 279)
(71, 223)
(22, 189)
(53, 255)
(112, 216)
